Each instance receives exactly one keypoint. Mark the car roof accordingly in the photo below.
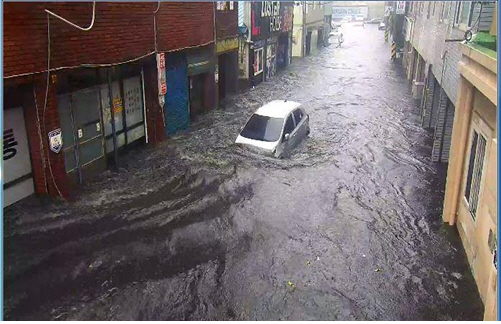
(277, 108)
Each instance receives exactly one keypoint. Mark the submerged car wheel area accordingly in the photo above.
(275, 128)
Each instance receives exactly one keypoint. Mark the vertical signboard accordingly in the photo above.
(162, 84)
(17, 176)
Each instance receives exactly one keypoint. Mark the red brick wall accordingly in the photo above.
(184, 24)
(122, 31)
(33, 100)
(227, 22)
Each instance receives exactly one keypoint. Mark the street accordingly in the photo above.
(348, 228)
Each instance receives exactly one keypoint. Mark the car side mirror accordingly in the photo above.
(286, 137)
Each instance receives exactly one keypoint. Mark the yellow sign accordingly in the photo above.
(117, 105)
(227, 45)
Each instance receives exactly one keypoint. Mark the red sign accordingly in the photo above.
(162, 85)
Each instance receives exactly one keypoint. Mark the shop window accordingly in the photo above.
(258, 61)
(466, 13)
(463, 14)
(474, 175)
(456, 12)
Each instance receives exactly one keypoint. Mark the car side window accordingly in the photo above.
(289, 125)
(298, 115)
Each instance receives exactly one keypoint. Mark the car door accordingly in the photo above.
(288, 129)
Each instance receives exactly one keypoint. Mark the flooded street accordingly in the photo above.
(348, 228)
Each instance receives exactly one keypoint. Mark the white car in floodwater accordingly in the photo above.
(275, 128)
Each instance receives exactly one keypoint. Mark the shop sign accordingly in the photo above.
(117, 105)
(162, 83)
(227, 45)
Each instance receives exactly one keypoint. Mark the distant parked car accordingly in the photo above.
(359, 20)
(382, 26)
(345, 20)
(375, 21)
(275, 128)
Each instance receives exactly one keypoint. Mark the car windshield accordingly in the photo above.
(263, 128)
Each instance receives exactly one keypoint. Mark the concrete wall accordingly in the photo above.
(314, 13)
(376, 9)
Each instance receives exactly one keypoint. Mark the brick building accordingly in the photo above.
(432, 51)
(95, 87)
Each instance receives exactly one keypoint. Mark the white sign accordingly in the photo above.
(56, 140)
(400, 8)
(341, 12)
(162, 83)
(16, 157)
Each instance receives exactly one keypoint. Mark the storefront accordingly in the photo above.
(92, 125)
(227, 66)
(201, 80)
(271, 38)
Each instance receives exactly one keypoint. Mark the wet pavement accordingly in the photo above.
(347, 228)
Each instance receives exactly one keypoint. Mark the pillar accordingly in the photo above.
(458, 151)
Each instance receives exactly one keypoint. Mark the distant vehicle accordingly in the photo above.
(345, 20)
(275, 128)
(382, 26)
(359, 20)
(375, 21)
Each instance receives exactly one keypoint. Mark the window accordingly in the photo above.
(258, 61)
(433, 10)
(263, 128)
(474, 176)
(429, 9)
(298, 115)
(289, 125)
(456, 13)
(466, 13)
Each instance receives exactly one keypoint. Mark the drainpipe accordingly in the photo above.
(303, 36)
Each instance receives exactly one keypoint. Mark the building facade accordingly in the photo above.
(471, 190)
(76, 96)
(309, 32)
(265, 43)
(451, 63)
(431, 36)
